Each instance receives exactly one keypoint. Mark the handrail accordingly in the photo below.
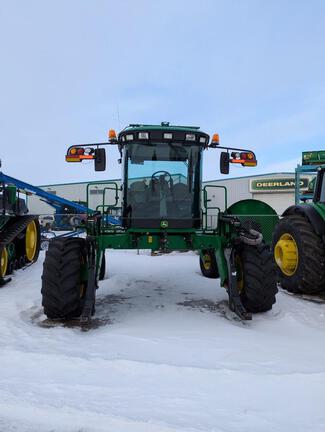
(206, 201)
(89, 185)
(116, 194)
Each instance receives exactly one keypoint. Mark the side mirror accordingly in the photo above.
(224, 163)
(100, 159)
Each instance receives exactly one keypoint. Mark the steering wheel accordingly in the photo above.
(162, 173)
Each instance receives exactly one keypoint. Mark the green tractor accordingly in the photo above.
(19, 232)
(299, 238)
(162, 204)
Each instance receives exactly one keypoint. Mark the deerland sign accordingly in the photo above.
(277, 184)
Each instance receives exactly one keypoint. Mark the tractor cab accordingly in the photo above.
(162, 176)
(313, 165)
(161, 172)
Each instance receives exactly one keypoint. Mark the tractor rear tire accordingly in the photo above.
(63, 287)
(208, 264)
(307, 275)
(256, 277)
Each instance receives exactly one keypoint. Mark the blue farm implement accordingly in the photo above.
(20, 233)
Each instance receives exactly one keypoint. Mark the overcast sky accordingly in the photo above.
(253, 71)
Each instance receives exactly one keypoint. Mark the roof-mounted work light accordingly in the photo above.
(190, 137)
(143, 135)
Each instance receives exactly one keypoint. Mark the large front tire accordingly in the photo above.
(300, 255)
(64, 278)
(256, 278)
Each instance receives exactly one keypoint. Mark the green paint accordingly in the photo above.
(313, 157)
(320, 208)
(12, 194)
(255, 214)
(164, 127)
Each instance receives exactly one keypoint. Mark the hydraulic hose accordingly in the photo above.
(251, 237)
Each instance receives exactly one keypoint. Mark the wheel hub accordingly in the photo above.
(3, 262)
(31, 240)
(206, 262)
(286, 254)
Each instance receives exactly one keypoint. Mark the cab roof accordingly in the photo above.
(156, 133)
(166, 126)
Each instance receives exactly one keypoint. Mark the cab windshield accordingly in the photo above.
(163, 181)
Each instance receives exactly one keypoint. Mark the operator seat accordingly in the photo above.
(182, 200)
(159, 198)
(137, 198)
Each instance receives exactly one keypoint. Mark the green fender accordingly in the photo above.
(257, 215)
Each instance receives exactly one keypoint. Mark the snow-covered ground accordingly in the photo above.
(164, 354)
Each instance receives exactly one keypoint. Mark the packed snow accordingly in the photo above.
(163, 353)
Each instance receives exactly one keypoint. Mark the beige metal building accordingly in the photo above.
(276, 189)
(74, 192)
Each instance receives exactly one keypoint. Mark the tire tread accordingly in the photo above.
(61, 279)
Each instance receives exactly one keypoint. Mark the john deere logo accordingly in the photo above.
(164, 224)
